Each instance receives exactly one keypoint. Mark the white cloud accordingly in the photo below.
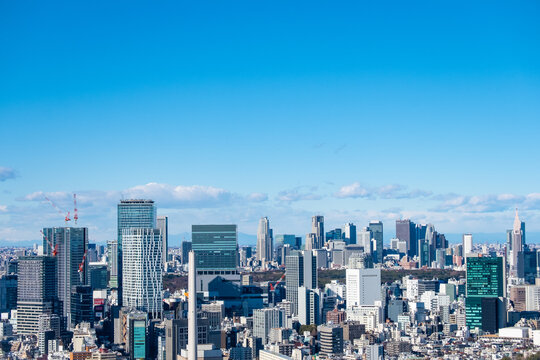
(354, 190)
(257, 197)
(180, 195)
(391, 191)
(7, 173)
(296, 195)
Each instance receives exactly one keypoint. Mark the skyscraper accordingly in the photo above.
(376, 228)
(112, 263)
(216, 253)
(36, 292)
(295, 242)
(406, 231)
(309, 306)
(364, 239)
(485, 280)
(264, 241)
(311, 241)
(516, 258)
(467, 244)
(142, 270)
(266, 319)
(71, 244)
(317, 228)
(162, 223)
(134, 213)
(185, 248)
(363, 286)
(301, 270)
(349, 233)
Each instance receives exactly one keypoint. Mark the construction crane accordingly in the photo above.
(75, 211)
(54, 249)
(273, 287)
(67, 217)
(81, 267)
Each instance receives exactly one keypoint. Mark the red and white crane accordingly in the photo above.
(273, 287)
(67, 217)
(75, 211)
(54, 249)
(81, 267)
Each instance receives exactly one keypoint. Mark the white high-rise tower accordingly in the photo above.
(142, 270)
(192, 308)
(516, 258)
(467, 244)
(264, 241)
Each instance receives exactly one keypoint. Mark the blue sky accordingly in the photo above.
(229, 111)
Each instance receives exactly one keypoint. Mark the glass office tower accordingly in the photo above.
(70, 244)
(134, 213)
(485, 281)
(215, 247)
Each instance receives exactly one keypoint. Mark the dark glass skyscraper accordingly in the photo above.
(70, 243)
(485, 280)
(406, 231)
(376, 228)
(215, 247)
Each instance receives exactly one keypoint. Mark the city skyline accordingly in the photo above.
(364, 113)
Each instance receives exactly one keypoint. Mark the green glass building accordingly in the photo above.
(215, 247)
(485, 284)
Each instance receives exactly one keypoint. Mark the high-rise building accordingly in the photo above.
(309, 306)
(137, 335)
(516, 259)
(162, 223)
(336, 234)
(265, 247)
(216, 253)
(301, 270)
(349, 233)
(467, 244)
(142, 270)
(8, 293)
(112, 263)
(331, 337)
(363, 286)
(317, 228)
(215, 247)
(266, 319)
(311, 241)
(82, 307)
(295, 242)
(406, 231)
(176, 335)
(134, 213)
(185, 249)
(37, 292)
(98, 276)
(70, 244)
(364, 240)
(376, 228)
(485, 280)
